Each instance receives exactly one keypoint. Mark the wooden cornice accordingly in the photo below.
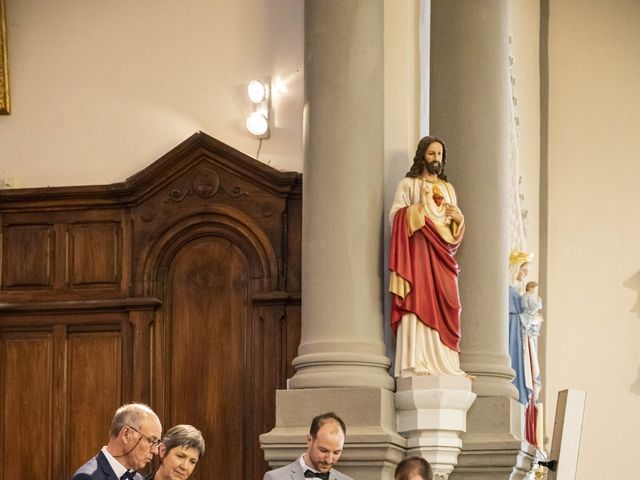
(78, 306)
(196, 149)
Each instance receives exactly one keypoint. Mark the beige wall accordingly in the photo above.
(593, 315)
(592, 303)
(102, 89)
(524, 27)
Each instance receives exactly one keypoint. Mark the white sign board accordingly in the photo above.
(567, 430)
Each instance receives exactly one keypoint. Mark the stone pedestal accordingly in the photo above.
(432, 413)
(372, 448)
(493, 444)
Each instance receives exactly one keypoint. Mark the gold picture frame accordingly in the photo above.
(5, 104)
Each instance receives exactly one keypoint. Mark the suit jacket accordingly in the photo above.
(98, 468)
(293, 471)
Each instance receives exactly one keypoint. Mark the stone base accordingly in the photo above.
(492, 447)
(372, 447)
(432, 412)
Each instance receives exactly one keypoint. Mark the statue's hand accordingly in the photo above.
(425, 191)
(454, 213)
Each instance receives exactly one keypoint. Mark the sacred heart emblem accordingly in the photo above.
(437, 196)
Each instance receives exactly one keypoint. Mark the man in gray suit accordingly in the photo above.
(134, 438)
(324, 447)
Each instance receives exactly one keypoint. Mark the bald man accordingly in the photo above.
(325, 442)
(134, 438)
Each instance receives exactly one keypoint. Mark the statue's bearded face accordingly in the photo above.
(433, 158)
(434, 167)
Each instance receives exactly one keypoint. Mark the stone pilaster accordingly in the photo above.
(341, 343)
(341, 365)
(469, 109)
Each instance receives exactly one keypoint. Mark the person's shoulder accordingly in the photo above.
(341, 476)
(405, 186)
(82, 476)
(406, 181)
(88, 471)
(446, 183)
(282, 472)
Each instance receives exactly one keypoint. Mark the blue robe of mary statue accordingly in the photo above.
(515, 344)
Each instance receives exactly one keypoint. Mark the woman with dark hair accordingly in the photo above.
(427, 228)
(414, 468)
(180, 450)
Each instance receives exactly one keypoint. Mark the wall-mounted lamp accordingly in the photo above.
(258, 124)
(258, 121)
(257, 91)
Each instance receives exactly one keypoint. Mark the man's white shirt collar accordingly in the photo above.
(116, 466)
(305, 467)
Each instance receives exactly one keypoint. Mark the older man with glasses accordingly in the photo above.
(134, 438)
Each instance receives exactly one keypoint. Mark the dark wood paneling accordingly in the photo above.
(94, 254)
(207, 330)
(27, 256)
(179, 287)
(267, 368)
(26, 372)
(94, 392)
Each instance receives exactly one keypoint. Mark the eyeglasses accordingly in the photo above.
(153, 443)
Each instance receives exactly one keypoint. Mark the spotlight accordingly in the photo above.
(258, 124)
(258, 121)
(257, 91)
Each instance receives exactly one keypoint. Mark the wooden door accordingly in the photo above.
(207, 305)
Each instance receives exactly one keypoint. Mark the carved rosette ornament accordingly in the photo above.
(147, 215)
(205, 184)
(267, 209)
(203, 278)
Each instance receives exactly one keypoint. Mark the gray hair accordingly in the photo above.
(184, 436)
(130, 414)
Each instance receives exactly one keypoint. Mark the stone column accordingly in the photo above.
(341, 363)
(341, 341)
(469, 109)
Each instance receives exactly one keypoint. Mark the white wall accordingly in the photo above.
(593, 314)
(102, 89)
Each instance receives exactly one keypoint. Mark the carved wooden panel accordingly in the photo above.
(268, 368)
(27, 256)
(94, 392)
(26, 361)
(179, 287)
(94, 254)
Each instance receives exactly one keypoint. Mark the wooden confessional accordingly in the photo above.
(179, 287)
